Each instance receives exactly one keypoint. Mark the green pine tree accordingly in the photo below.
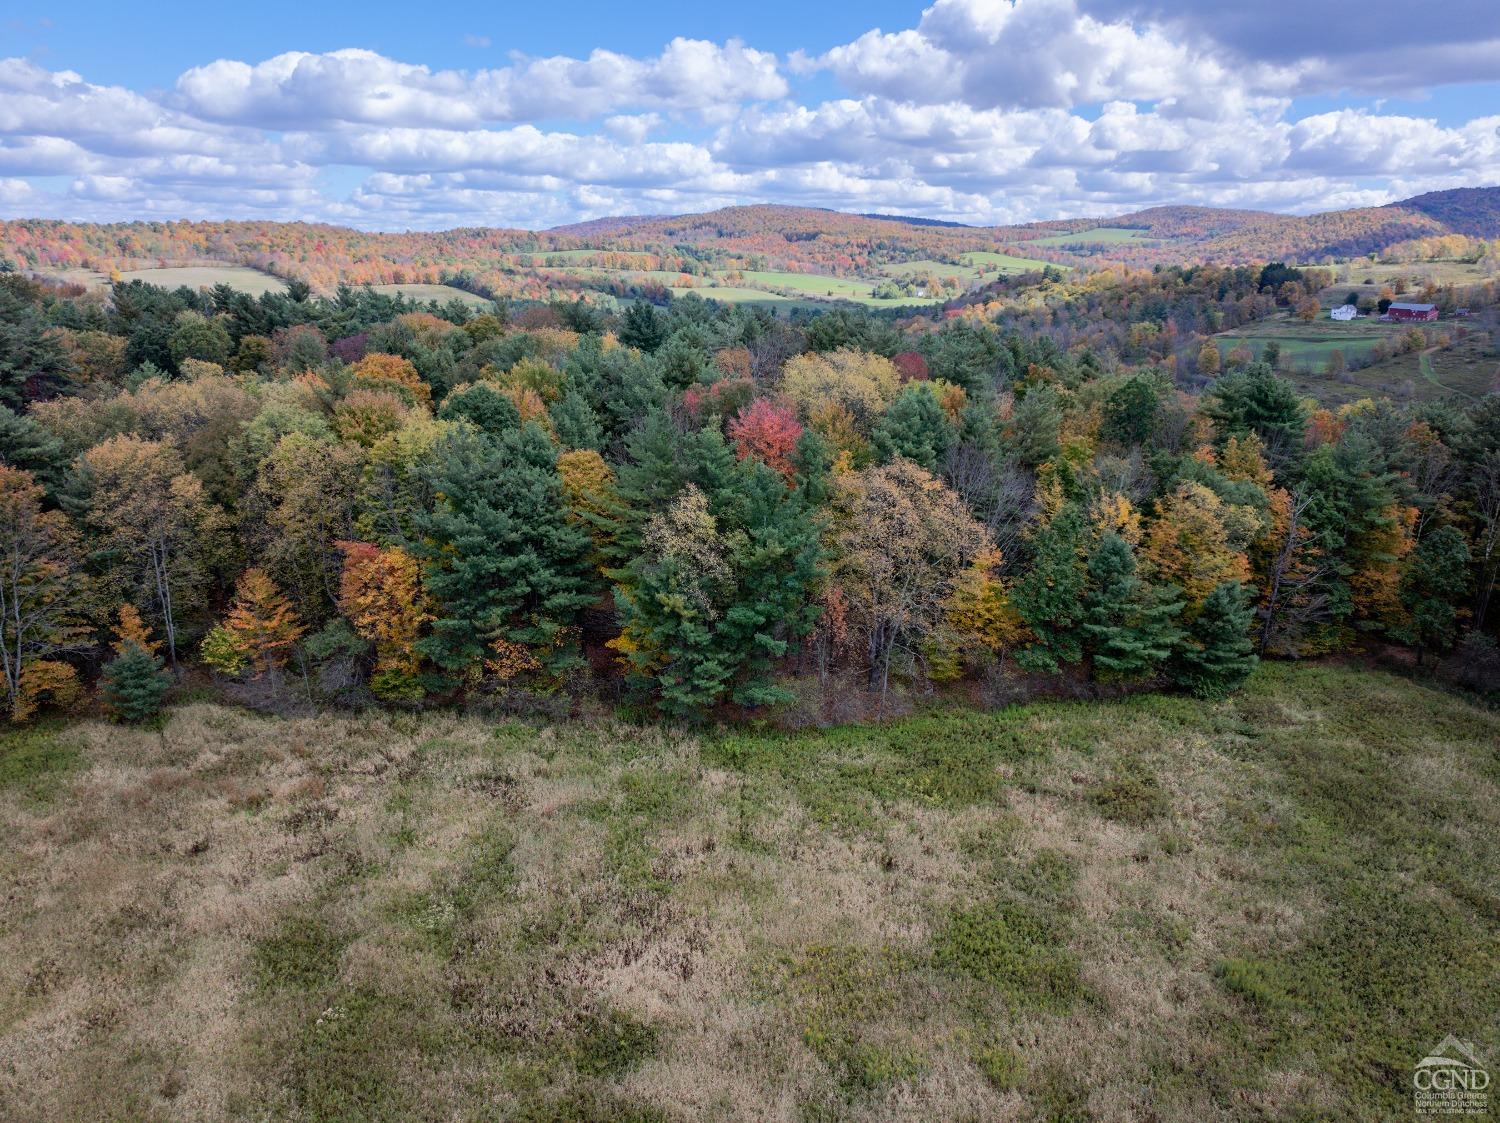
(1435, 581)
(719, 582)
(915, 427)
(1129, 627)
(576, 422)
(134, 684)
(1216, 655)
(642, 327)
(501, 557)
(1254, 399)
(25, 444)
(1049, 597)
(483, 406)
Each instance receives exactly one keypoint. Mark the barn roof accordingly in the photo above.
(1413, 307)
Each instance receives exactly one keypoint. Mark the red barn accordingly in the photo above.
(1406, 312)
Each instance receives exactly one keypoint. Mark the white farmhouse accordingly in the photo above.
(1344, 312)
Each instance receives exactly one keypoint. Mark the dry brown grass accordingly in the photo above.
(441, 917)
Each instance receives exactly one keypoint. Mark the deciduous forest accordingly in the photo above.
(704, 511)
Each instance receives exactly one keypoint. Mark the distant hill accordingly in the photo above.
(913, 220)
(673, 250)
(1474, 211)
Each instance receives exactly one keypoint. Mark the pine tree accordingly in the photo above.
(642, 328)
(1435, 581)
(576, 423)
(720, 582)
(1254, 400)
(26, 445)
(1129, 628)
(485, 406)
(1049, 597)
(915, 427)
(1216, 655)
(134, 683)
(501, 556)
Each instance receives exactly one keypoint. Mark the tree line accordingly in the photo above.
(693, 507)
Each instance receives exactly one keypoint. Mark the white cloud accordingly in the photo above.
(985, 111)
(302, 90)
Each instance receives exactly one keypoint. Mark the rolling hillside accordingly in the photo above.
(718, 248)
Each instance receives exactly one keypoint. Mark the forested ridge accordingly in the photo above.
(512, 263)
(705, 510)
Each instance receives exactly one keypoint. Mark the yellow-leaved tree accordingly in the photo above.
(1189, 544)
(380, 592)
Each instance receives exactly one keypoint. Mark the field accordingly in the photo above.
(1310, 344)
(441, 293)
(247, 280)
(1367, 279)
(1266, 908)
(1468, 368)
(738, 294)
(1007, 263)
(1099, 235)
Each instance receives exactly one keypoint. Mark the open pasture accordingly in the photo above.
(1265, 908)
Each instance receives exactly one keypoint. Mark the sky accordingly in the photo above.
(409, 116)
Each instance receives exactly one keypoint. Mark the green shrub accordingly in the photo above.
(134, 684)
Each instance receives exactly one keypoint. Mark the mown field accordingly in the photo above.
(241, 277)
(1310, 344)
(1266, 908)
(441, 293)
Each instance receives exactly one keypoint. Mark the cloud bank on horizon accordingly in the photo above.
(981, 111)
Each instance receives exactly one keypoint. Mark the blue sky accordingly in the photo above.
(399, 116)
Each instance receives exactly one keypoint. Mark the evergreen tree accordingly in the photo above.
(915, 427)
(1049, 598)
(1216, 655)
(483, 405)
(502, 558)
(32, 362)
(26, 445)
(1253, 399)
(642, 328)
(134, 683)
(576, 423)
(967, 355)
(719, 584)
(1131, 410)
(1129, 627)
(1434, 583)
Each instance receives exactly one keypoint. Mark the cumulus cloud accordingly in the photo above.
(1026, 54)
(983, 111)
(1385, 47)
(302, 90)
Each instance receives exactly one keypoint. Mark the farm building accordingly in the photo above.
(1403, 312)
(1344, 312)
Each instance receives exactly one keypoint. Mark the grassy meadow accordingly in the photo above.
(1266, 908)
(250, 281)
(441, 293)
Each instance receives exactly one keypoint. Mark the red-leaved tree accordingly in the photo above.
(768, 430)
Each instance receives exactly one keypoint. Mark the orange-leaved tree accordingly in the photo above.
(131, 629)
(262, 623)
(380, 592)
